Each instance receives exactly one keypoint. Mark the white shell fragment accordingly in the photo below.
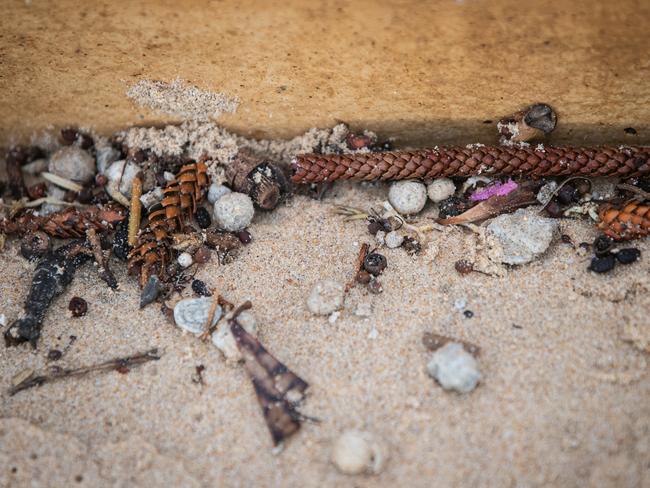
(191, 314)
(216, 192)
(185, 259)
(393, 239)
(223, 339)
(407, 197)
(440, 189)
(326, 297)
(234, 211)
(454, 368)
(73, 163)
(356, 452)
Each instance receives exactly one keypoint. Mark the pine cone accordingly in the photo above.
(68, 223)
(630, 222)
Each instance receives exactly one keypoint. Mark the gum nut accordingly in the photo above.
(441, 189)
(191, 314)
(407, 197)
(216, 192)
(117, 172)
(325, 297)
(356, 452)
(73, 163)
(223, 339)
(234, 211)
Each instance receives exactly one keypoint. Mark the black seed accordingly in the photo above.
(78, 306)
(451, 207)
(374, 263)
(374, 227)
(54, 355)
(602, 245)
(630, 130)
(468, 313)
(602, 264)
(202, 217)
(554, 210)
(244, 236)
(121, 246)
(568, 194)
(541, 116)
(200, 288)
(628, 255)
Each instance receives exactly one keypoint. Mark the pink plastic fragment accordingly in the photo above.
(496, 190)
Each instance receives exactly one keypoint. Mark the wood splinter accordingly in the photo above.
(135, 210)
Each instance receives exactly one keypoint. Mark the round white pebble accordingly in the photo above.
(454, 368)
(393, 240)
(356, 452)
(441, 189)
(185, 259)
(73, 163)
(407, 197)
(325, 298)
(216, 192)
(234, 211)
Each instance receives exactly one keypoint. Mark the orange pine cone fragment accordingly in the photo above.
(630, 222)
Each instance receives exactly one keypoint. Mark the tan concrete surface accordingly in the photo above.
(423, 71)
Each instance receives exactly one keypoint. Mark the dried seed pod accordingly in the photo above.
(262, 180)
(78, 306)
(374, 263)
(630, 222)
(35, 245)
(463, 266)
(533, 122)
(628, 255)
(222, 241)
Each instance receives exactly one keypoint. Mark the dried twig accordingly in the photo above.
(136, 208)
(59, 373)
(62, 182)
(105, 272)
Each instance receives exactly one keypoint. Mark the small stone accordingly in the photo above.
(73, 163)
(54, 355)
(150, 291)
(234, 211)
(78, 306)
(380, 237)
(185, 260)
(105, 155)
(124, 173)
(628, 255)
(223, 339)
(454, 368)
(202, 255)
(215, 192)
(523, 236)
(602, 264)
(393, 240)
(440, 189)
(463, 266)
(326, 297)
(407, 197)
(545, 192)
(357, 452)
(191, 314)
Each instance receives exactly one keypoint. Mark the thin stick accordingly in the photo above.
(110, 365)
(62, 182)
(105, 272)
(136, 208)
(208, 323)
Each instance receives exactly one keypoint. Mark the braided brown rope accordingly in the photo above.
(624, 161)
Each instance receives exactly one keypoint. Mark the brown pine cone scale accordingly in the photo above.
(630, 222)
(622, 161)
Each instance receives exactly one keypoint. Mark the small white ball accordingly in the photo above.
(407, 197)
(393, 239)
(326, 297)
(234, 211)
(454, 368)
(441, 189)
(215, 192)
(356, 452)
(185, 259)
(73, 163)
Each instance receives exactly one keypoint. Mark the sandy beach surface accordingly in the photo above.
(563, 400)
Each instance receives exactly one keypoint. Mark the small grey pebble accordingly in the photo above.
(105, 155)
(408, 197)
(380, 237)
(234, 211)
(454, 368)
(185, 260)
(325, 298)
(440, 189)
(191, 314)
(216, 192)
(150, 291)
(393, 240)
(73, 163)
